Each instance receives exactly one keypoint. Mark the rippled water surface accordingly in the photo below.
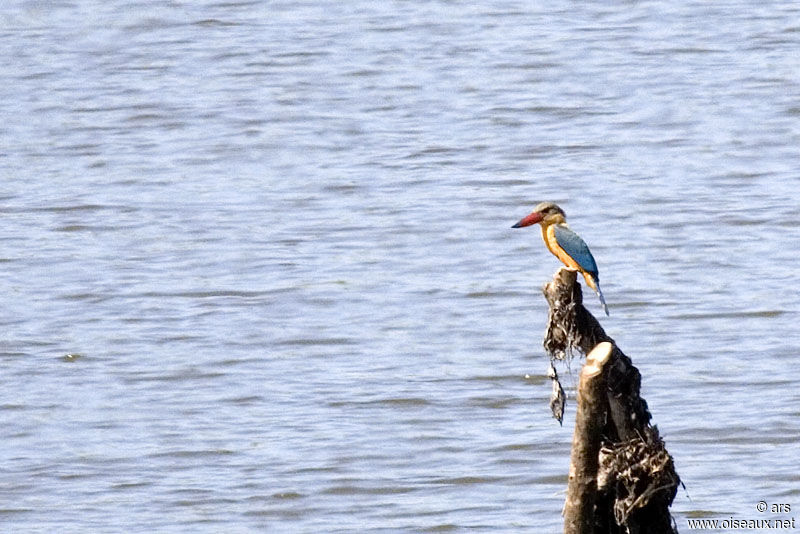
(259, 276)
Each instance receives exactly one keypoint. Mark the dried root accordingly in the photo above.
(562, 334)
(557, 398)
(638, 476)
(570, 326)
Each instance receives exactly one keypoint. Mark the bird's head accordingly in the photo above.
(546, 213)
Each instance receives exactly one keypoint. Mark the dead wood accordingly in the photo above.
(589, 419)
(624, 471)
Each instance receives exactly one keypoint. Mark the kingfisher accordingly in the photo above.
(565, 244)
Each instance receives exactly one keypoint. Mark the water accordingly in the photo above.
(259, 274)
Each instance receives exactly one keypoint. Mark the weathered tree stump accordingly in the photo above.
(622, 479)
(582, 486)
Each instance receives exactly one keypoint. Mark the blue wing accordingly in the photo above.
(576, 248)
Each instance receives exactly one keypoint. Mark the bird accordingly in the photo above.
(565, 244)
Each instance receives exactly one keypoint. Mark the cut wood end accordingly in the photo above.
(597, 358)
(566, 276)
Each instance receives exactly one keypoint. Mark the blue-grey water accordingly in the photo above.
(258, 274)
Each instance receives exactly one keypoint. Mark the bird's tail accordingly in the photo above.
(591, 281)
(600, 294)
